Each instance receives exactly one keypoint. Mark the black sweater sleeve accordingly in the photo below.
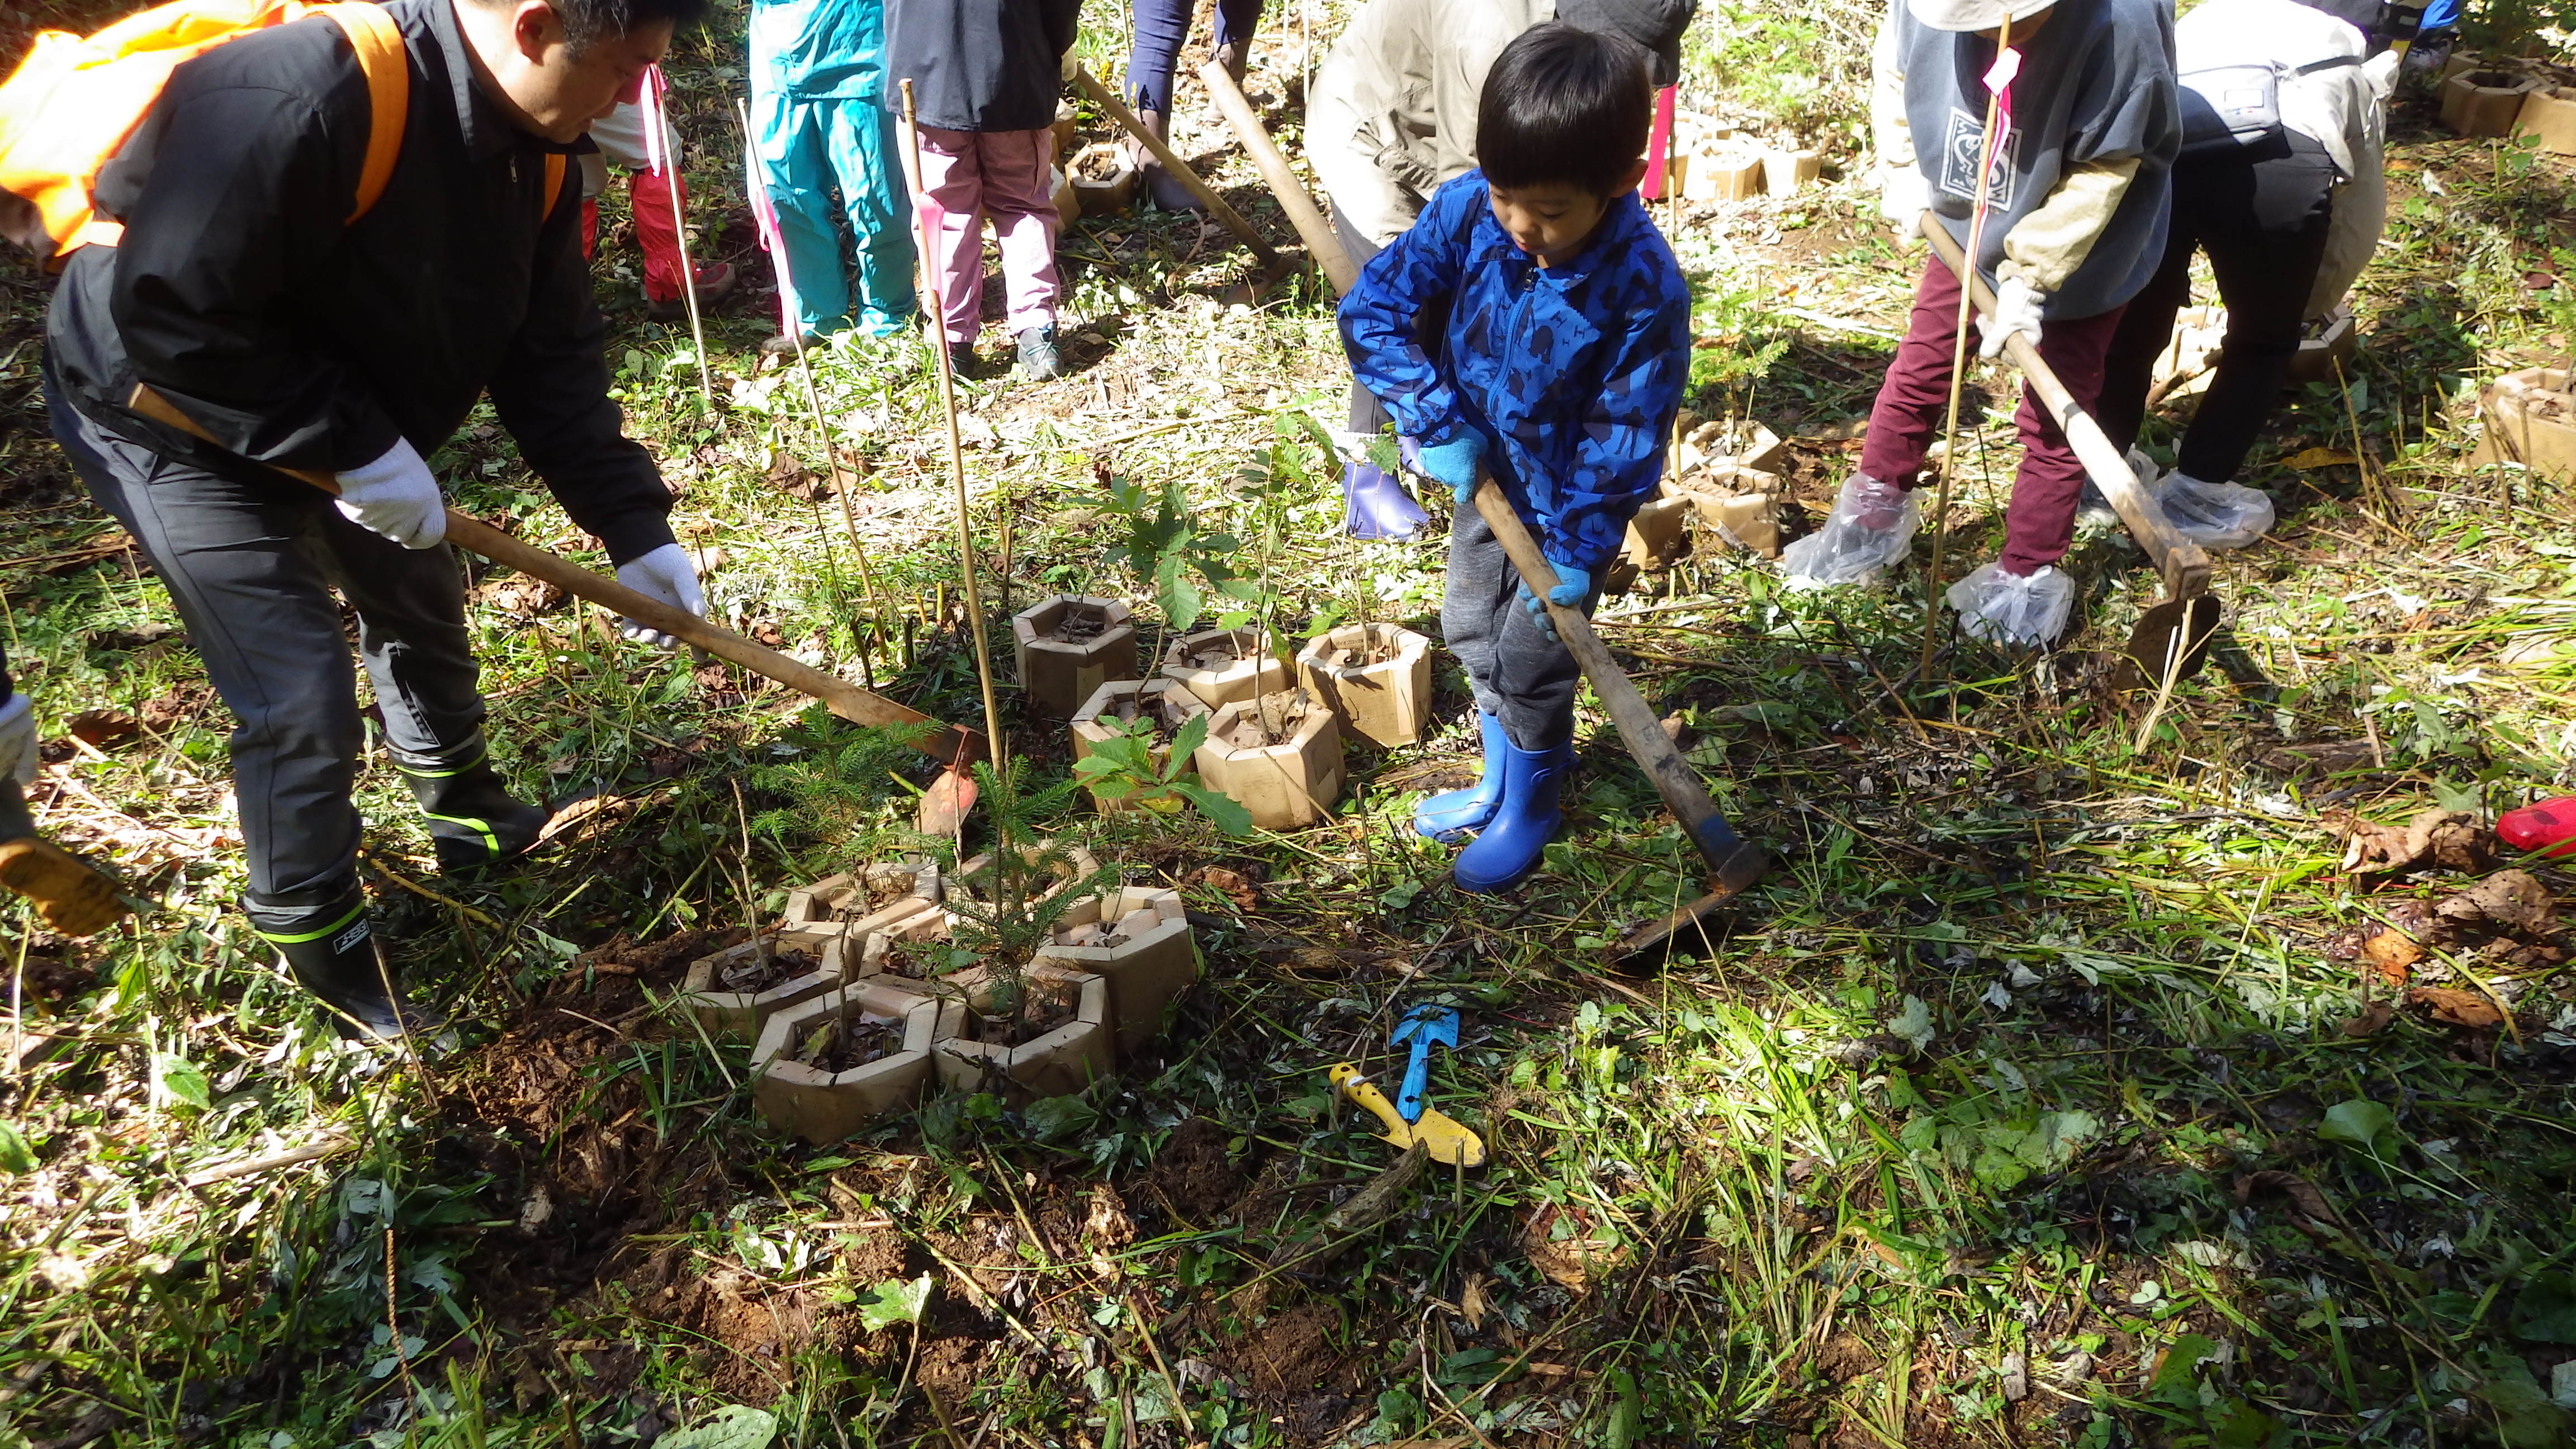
(551, 392)
(248, 192)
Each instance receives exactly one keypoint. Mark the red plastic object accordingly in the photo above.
(2549, 825)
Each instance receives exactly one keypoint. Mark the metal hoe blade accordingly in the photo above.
(2174, 634)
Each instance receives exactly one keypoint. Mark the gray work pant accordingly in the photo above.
(251, 564)
(1518, 673)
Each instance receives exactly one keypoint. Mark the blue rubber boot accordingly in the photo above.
(1375, 505)
(1445, 817)
(1511, 845)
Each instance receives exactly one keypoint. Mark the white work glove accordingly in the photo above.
(18, 740)
(1066, 64)
(666, 576)
(2017, 305)
(1903, 197)
(395, 497)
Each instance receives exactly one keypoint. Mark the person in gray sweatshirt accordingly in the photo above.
(2076, 198)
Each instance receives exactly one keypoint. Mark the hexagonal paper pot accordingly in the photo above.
(1148, 970)
(1385, 703)
(742, 1012)
(1057, 675)
(1062, 1061)
(1171, 702)
(1223, 684)
(824, 1107)
(1285, 786)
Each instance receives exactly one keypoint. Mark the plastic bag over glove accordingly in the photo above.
(2213, 515)
(1452, 464)
(1872, 526)
(1573, 585)
(665, 575)
(2025, 609)
(2017, 309)
(395, 498)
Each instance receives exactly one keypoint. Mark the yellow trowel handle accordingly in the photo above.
(1354, 1084)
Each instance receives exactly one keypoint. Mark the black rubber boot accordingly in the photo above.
(473, 821)
(1165, 188)
(331, 948)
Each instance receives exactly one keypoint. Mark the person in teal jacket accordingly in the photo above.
(820, 118)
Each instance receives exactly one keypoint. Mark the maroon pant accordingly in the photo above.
(1915, 397)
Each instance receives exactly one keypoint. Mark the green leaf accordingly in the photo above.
(1187, 739)
(2545, 1310)
(2177, 1380)
(2359, 1123)
(1221, 810)
(16, 1156)
(1050, 1118)
(894, 1301)
(735, 1426)
(181, 1081)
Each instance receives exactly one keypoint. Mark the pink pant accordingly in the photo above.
(2041, 519)
(965, 177)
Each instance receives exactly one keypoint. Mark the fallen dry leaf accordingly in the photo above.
(1471, 1303)
(2307, 459)
(2512, 899)
(2459, 1008)
(2308, 1205)
(2373, 1017)
(103, 729)
(1227, 883)
(2391, 953)
(2450, 839)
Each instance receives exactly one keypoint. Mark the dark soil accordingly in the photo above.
(762, 972)
(1193, 1175)
(1080, 625)
(855, 1043)
(1045, 1006)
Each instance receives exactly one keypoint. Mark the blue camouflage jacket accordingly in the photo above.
(1571, 374)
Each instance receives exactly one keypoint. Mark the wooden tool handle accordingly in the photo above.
(1321, 241)
(1736, 862)
(2183, 563)
(1232, 220)
(472, 534)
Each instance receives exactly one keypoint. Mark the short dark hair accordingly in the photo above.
(587, 22)
(1564, 107)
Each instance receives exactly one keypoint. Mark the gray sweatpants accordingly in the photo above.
(1518, 673)
(252, 566)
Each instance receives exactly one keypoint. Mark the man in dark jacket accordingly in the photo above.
(984, 75)
(274, 330)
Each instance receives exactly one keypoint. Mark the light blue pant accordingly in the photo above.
(805, 147)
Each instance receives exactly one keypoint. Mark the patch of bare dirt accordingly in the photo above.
(1193, 1175)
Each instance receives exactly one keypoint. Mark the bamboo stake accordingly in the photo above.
(823, 434)
(1992, 148)
(956, 451)
(658, 136)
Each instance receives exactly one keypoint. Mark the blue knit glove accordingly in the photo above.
(1453, 463)
(1573, 585)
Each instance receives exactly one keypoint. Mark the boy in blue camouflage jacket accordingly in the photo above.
(1559, 366)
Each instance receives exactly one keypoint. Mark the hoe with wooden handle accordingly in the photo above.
(1734, 862)
(841, 697)
(2172, 638)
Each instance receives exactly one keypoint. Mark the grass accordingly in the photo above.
(2016, 1109)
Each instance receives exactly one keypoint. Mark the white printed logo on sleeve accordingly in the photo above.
(1963, 147)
